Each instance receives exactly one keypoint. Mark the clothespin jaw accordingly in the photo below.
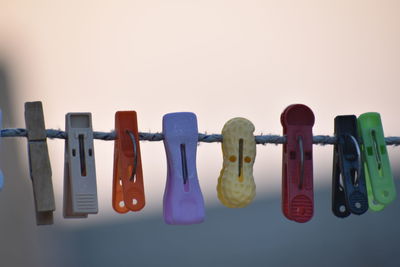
(349, 193)
(1, 173)
(128, 188)
(297, 176)
(183, 200)
(39, 163)
(236, 187)
(379, 179)
(80, 189)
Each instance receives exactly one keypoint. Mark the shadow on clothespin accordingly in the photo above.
(349, 192)
(183, 200)
(1, 173)
(39, 163)
(80, 190)
(378, 173)
(128, 188)
(297, 177)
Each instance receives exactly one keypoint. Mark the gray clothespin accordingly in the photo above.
(39, 163)
(80, 190)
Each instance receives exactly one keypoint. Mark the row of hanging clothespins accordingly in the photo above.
(361, 178)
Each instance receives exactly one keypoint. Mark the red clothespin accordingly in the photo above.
(128, 189)
(297, 176)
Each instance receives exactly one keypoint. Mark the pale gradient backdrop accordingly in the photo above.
(218, 59)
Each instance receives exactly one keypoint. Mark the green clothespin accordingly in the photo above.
(378, 174)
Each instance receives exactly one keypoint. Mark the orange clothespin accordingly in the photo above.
(128, 189)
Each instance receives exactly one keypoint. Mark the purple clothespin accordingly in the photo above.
(183, 200)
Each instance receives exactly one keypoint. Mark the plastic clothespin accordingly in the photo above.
(378, 174)
(183, 200)
(39, 163)
(128, 189)
(80, 190)
(1, 173)
(349, 193)
(297, 177)
(236, 187)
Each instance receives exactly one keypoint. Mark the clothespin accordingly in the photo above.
(236, 187)
(297, 178)
(80, 190)
(39, 163)
(378, 174)
(1, 173)
(183, 200)
(128, 189)
(349, 193)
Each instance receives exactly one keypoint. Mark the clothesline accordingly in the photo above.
(205, 138)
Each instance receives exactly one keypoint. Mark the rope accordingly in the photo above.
(206, 138)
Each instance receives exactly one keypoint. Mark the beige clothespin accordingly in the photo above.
(236, 187)
(80, 190)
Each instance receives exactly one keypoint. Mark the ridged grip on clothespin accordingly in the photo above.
(39, 163)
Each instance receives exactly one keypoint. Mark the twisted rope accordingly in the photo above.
(206, 138)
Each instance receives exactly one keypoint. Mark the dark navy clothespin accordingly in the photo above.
(349, 192)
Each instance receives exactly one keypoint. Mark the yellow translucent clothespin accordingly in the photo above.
(236, 187)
